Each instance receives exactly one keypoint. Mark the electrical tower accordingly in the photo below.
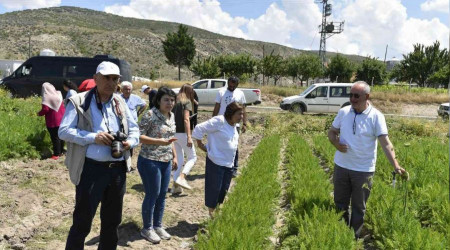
(327, 29)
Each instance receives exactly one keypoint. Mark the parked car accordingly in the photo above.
(319, 98)
(444, 110)
(27, 80)
(207, 90)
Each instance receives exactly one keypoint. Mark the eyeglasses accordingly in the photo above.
(356, 96)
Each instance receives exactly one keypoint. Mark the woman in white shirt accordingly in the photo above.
(221, 149)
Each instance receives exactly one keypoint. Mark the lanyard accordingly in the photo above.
(116, 110)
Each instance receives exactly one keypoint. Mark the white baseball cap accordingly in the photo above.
(144, 87)
(108, 68)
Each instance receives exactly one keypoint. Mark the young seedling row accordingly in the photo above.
(246, 219)
(411, 215)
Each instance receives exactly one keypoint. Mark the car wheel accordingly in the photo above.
(297, 108)
(445, 116)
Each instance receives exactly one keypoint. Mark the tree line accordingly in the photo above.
(425, 65)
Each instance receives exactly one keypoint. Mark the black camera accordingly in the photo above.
(117, 144)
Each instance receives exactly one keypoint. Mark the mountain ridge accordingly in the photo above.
(74, 31)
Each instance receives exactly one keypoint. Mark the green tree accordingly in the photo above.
(423, 63)
(397, 73)
(292, 67)
(371, 68)
(340, 68)
(179, 48)
(441, 76)
(205, 68)
(240, 65)
(304, 67)
(272, 66)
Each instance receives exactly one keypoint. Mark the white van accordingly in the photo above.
(319, 98)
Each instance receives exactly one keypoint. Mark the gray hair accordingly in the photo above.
(364, 85)
(126, 83)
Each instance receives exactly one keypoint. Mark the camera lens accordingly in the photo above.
(116, 149)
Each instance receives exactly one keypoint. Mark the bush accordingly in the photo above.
(23, 133)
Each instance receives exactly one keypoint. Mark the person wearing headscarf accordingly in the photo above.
(53, 109)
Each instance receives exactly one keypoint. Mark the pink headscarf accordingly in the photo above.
(51, 97)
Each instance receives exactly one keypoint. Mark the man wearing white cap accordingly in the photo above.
(134, 102)
(151, 94)
(97, 165)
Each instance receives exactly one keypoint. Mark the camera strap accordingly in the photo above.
(119, 114)
(116, 109)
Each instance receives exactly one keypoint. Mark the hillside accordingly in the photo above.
(72, 31)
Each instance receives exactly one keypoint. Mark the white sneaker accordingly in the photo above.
(183, 183)
(150, 235)
(162, 233)
(177, 190)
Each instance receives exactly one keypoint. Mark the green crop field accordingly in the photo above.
(23, 133)
(412, 215)
(283, 198)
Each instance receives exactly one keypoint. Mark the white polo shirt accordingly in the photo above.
(360, 133)
(225, 97)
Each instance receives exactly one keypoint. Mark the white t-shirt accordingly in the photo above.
(222, 140)
(225, 97)
(360, 133)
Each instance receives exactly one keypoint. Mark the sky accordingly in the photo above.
(370, 25)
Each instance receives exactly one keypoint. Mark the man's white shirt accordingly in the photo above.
(360, 133)
(225, 97)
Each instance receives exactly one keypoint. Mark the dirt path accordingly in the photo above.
(37, 199)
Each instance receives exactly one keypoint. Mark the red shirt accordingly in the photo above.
(52, 118)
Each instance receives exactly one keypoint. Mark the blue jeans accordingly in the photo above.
(155, 177)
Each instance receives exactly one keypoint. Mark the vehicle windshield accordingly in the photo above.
(307, 90)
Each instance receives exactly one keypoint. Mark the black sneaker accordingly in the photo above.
(235, 173)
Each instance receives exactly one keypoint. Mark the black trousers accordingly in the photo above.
(98, 183)
(217, 183)
(58, 144)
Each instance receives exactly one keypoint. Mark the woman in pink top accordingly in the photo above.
(53, 109)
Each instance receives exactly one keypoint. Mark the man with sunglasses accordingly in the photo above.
(354, 133)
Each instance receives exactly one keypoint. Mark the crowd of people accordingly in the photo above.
(99, 122)
(101, 127)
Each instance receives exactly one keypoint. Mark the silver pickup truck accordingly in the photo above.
(207, 90)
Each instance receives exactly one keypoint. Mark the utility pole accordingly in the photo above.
(29, 44)
(385, 53)
(263, 69)
(327, 29)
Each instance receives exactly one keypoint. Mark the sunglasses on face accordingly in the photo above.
(356, 96)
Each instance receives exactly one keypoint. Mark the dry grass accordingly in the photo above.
(418, 98)
(156, 85)
(379, 94)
